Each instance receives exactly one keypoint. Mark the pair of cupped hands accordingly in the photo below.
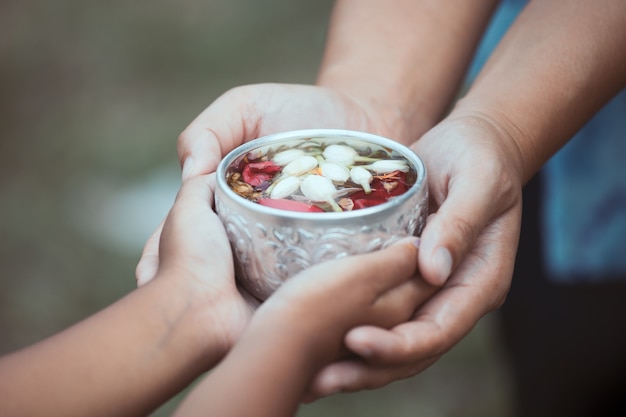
(466, 251)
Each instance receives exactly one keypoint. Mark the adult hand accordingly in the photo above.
(469, 242)
(248, 112)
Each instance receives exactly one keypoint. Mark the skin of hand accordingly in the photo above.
(559, 63)
(469, 168)
(129, 358)
(301, 327)
(193, 244)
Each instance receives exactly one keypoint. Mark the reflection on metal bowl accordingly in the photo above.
(270, 244)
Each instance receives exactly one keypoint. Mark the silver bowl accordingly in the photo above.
(270, 245)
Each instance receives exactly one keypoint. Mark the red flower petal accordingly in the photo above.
(256, 173)
(379, 194)
(367, 202)
(291, 205)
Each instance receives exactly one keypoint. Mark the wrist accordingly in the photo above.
(514, 142)
(396, 112)
(298, 332)
(196, 320)
(405, 61)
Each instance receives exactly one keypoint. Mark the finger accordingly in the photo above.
(437, 326)
(452, 231)
(406, 343)
(374, 272)
(355, 375)
(397, 263)
(149, 262)
(478, 286)
(226, 123)
(403, 351)
(193, 208)
(197, 190)
(400, 302)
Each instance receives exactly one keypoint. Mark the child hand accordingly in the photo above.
(380, 289)
(195, 250)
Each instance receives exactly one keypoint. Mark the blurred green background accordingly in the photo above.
(93, 97)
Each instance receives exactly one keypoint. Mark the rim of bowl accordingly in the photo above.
(407, 152)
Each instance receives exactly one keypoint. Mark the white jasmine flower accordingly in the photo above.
(337, 173)
(285, 187)
(285, 157)
(300, 165)
(340, 154)
(363, 177)
(319, 188)
(385, 166)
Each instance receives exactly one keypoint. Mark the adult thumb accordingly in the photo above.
(451, 232)
(220, 128)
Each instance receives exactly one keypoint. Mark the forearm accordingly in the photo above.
(407, 57)
(125, 360)
(265, 374)
(559, 64)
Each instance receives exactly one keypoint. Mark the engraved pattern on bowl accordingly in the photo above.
(271, 245)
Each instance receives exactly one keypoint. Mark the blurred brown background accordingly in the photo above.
(92, 98)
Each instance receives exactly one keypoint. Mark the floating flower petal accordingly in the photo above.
(256, 173)
(291, 205)
(346, 204)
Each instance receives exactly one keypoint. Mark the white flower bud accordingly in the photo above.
(335, 172)
(363, 177)
(285, 157)
(319, 188)
(385, 166)
(285, 187)
(340, 154)
(300, 165)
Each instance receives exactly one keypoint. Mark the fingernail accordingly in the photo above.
(333, 388)
(442, 261)
(146, 270)
(144, 278)
(188, 167)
